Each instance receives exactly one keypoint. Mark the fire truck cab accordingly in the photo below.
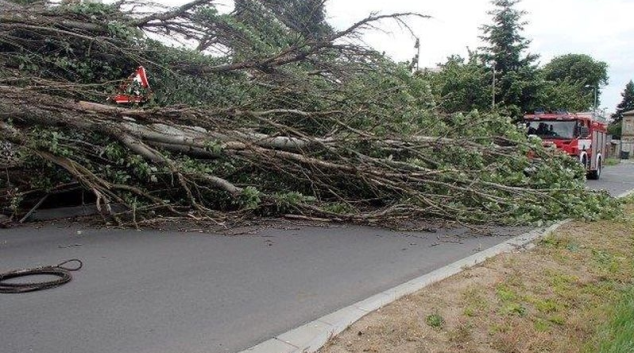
(580, 135)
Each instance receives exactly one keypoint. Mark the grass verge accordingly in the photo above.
(617, 336)
(574, 292)
(612, 162)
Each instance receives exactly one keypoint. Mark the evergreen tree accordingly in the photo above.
(307, 17)
(626, 104)
(516, 73)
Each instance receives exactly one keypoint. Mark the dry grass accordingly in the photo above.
(551, 299)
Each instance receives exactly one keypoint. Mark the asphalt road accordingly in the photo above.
(616, 180)
(190, 292)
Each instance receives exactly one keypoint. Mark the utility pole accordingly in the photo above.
(493, 89)
(596, 88)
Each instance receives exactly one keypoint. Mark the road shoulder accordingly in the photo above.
(556, 297)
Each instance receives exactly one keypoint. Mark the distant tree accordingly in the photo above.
(615, 130)
(626, 104)
(462, 85)
(516, 72)
(564, 95)
(580, 70)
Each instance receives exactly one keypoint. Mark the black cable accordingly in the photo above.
(60, 271)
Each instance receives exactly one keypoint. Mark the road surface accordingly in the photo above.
(189, 292)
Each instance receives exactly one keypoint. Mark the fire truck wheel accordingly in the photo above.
(596, 174)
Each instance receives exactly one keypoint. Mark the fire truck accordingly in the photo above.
(580, 135)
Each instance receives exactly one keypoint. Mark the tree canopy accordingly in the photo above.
(503, 77)
(307, 17)
(626, 104)
(462, 85)
(516, 70)
(582, 71)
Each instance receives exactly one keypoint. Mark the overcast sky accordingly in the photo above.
(603, 29)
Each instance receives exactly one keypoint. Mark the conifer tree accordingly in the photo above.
(516, 72)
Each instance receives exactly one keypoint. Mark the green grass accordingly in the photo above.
(435, 321)
(617, 336)
(611, 161)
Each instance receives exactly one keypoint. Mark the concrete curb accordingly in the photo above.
(625, 194)
(314, 335)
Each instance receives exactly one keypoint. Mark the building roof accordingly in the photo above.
(628, 113)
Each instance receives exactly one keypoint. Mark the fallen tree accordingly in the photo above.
(282, 123)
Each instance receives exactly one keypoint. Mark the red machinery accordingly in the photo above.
(136, 89)
(580, 135)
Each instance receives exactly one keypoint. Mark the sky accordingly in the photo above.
(603, 29)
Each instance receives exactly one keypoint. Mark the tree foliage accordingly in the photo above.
(578, 71)
(279, 123)
(504, 74)
(305, 17)
(626, 104)
(565, 95)
(577, 67)
(516, 72)
(462, 85)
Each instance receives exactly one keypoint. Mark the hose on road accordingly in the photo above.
(61, 271)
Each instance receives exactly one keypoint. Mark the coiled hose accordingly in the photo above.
(62, 272)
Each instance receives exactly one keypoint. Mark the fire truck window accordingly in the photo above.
(553, 129)
(583, 128)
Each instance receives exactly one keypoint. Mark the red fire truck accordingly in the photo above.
(580, 135)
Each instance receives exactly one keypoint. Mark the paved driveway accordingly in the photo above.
(189, 292)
